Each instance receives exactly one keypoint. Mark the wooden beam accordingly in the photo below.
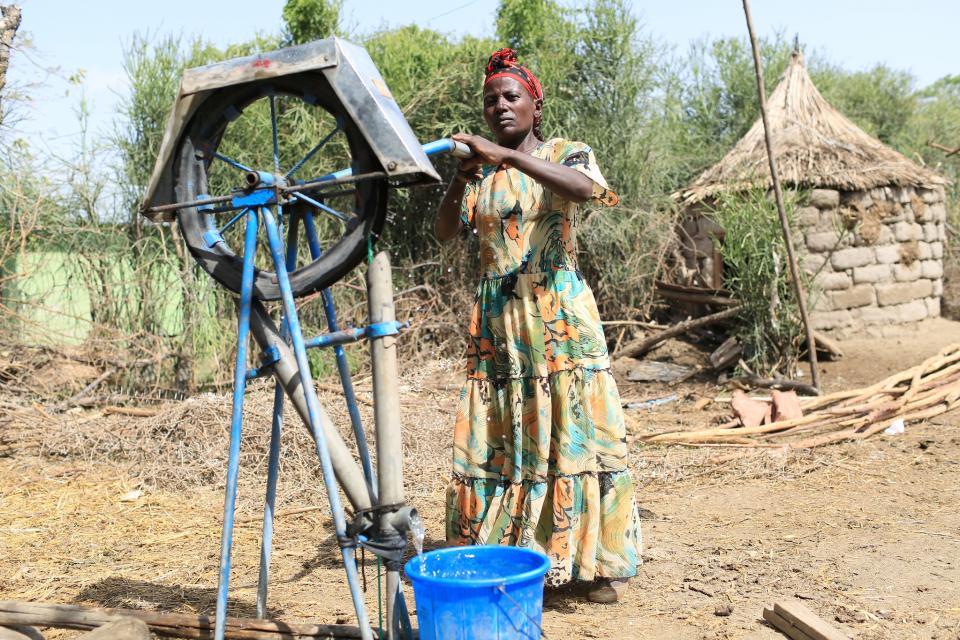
(798, 615)
(783, 626)
(19, 633)
(174, 625)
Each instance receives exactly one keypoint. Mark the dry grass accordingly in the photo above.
(113, 510)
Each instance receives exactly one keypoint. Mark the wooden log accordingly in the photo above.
(726, 354)
(827, 345)
(699, 298)
(123, 629)
(176, 625)
(783, 626)
(640, 347)
(136, 412)
(780, 385)
(797, 614)
(19, 633)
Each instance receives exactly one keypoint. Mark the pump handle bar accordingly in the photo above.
(448, 145)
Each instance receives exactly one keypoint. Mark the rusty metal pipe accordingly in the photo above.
(349, 476)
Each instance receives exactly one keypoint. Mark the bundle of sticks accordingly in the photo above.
(919, 393)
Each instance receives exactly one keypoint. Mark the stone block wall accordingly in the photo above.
(876, 257)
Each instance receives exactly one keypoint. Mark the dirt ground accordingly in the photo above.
(868, 534)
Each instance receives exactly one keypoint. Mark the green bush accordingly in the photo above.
(754, 255)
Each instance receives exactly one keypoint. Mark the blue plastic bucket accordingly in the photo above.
(479, 593)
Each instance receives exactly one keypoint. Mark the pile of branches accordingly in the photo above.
(918, 393)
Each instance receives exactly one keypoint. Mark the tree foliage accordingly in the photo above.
(308, 20)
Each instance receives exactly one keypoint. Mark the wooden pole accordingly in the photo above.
(386, 393)
(174, 625)
(778, 194)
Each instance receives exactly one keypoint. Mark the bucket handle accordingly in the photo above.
(503, 590)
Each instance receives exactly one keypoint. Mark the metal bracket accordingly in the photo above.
(270, 355)
(204, 208)
(384, 329)
(256, 198)
(212, 237)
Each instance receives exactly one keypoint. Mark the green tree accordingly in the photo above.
(309, 20)
(880, 100)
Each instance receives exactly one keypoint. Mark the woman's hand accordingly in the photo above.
(484, 151)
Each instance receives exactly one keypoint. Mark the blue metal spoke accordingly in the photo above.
(230, 161)
(276, 142)
(313, 151)
(336, 214)
(276, 151)
(223, 229)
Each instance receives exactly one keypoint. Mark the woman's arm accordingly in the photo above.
(568, 183)
(448, 215)
(448, 222)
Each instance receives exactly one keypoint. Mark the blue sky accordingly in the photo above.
(917, 36)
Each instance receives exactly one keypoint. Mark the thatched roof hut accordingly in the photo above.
(815, 145)
(872, 225)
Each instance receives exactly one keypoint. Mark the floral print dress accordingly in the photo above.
(540, 453)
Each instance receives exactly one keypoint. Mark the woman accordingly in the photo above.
(540, 454)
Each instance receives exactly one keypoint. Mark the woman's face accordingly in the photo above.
(509, 110)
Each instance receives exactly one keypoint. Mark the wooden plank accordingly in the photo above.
(783, 626)
(19, 633)
(167, 624)
(810, 623)
(124, 629)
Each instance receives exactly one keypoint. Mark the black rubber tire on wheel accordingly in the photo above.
(205, 131)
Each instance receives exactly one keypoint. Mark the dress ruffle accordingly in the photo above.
(542, 463)
(587, 524)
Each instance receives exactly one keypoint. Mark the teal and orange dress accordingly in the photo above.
(540, 453)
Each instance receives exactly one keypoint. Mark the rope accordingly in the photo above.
(379, 607)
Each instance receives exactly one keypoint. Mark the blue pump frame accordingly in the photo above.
(257, 208)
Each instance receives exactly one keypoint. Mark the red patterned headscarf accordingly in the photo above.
(504, 63)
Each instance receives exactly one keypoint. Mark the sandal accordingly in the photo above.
(607, 590)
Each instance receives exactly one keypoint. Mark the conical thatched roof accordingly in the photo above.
(815, 145)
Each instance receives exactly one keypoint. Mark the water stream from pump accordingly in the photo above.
(417, 532)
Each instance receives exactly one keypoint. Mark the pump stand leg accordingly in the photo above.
(273, 465)
(343, 367)
(239, 387)
(313, 407)
(273, 468)
(383, 353)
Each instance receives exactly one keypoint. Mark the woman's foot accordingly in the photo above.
(607, 590)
